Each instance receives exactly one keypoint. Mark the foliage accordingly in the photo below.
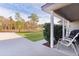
(1, 18)
(57, 32)
(34, 17)
(18, 16)
(33, 26)
(20, 21)
(46, 32)
(19, 24)
(11, 23)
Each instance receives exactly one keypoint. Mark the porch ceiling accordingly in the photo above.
(70, 12)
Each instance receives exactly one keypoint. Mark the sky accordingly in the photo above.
(25, 10)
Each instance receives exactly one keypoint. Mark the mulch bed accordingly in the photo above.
(47, 44)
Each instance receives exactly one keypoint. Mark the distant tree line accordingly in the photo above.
(19, 24)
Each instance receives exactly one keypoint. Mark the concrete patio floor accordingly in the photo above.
(12, 44)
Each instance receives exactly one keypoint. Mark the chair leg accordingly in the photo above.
(73, 46)
(57, 45)
(76, 47)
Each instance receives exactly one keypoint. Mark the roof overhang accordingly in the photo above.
(69, 11)
(53, 6)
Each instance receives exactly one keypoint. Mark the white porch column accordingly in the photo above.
(52, 30)
(67, 29)
(63, 28)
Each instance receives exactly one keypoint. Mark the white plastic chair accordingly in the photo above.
(69, 42)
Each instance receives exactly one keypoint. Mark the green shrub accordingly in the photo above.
(57, 32)
(46, 32)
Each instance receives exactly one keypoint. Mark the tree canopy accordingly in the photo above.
(34, 17)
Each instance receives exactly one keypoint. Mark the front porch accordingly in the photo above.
(68, 13)
(15, 45)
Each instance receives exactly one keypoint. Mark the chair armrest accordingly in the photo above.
(66, 39)
(60, 39)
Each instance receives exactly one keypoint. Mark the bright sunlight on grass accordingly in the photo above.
(33, 36)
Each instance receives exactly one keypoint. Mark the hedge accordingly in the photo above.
(57, 32)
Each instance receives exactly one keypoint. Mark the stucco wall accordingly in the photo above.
(74, 25)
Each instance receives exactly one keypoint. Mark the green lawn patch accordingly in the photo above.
(33, 36)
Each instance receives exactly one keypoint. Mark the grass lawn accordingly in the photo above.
(33, 36)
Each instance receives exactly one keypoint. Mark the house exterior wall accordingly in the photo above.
(73, 25)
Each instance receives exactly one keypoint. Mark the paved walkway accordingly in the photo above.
(12, 44)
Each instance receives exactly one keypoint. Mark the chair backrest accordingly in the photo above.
(74, 38)
(73, 33)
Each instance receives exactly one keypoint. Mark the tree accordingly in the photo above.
(11, 23)
(1, 18)
(18, 16)
(20, 21)
(34, 17)
(33, 22)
